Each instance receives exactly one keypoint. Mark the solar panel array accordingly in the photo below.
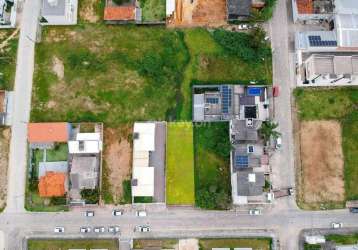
(242, 161)
(316, 41)
(212, 100)
(226, 93)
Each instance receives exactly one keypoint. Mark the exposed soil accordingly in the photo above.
(199, 12)
(88, 12)
(322, 162)
(4, 43)
(4, 154)
(58, 67)
(189, 244)
(117, 155)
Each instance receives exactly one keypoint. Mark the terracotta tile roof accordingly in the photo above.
(119, 13)
(48, 132)
(52, 185)
(305, 6)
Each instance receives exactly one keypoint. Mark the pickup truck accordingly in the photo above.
(283, 192)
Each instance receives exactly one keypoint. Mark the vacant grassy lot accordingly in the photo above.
(212, 165)
(335, 104)
(8, 50)
(74, 244)
(343, 239)
(90, 11)
(180, 164)
(254, 243)
(148, 243)
(153, 10)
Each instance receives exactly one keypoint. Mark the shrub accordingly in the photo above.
(91, 196)
(127, 192)
(57, 201)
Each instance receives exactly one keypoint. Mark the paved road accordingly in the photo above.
(22, 104)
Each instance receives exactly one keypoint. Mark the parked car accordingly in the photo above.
(59, 230)
(278, 144)
(276, 91)
(113, 229)
(142, 229)
(244, 26)
(89, 213)
(255, 211)
(117, 212)
(141, 213)
(353, 210)
(99, 230)
(336, 225)
(85, 229)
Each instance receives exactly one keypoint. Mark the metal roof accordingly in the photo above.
(53, 7)
(347, 30)
(250, 183)
(238, 8)
(57, 166)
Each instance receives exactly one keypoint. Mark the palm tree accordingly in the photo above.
(268, 130)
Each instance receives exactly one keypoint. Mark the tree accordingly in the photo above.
(268, 130)
(91, 196)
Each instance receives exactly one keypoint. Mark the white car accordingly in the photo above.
(141, 213)
(59, 230)
(142, 229)
(113, 229)
(254, 211)
(278, 142)
(243, 26)
(99, 230)
(89, 213)
(85, 229)
(336, 225)
(117, 212)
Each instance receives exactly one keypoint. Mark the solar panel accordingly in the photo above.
(226, 98)
(316, 41)
(254, 91)
(242, 161)
(212, 100)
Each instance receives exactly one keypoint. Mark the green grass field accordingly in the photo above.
(343, 239)
(75, 244)
(212, 165)
(8, 60)
(180, 164)
(336, 104)
(153, 10)
(254, 243)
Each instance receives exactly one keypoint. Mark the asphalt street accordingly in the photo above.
(282, 221)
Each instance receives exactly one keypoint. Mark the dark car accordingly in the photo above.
(353, 210)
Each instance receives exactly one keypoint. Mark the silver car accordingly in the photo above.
(113, 229)
(85, 229)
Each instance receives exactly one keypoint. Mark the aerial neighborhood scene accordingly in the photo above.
(179, 124)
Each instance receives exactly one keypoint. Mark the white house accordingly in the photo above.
(59, 12)
(86, 143)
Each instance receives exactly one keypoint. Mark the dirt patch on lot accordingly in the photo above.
(322, 162)
(58, 67)
(117, 157)
(199, 13)
(4, 154)
(88, 11)
(189, 244)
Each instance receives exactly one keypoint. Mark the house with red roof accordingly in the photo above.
(128, 12)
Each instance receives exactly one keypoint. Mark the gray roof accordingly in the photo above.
(198, 106)
(254, 161)
(238, 8)
(330, 64)
(84, 172)
(58, 166)
(243, 132)
(250, 188)
(58, 8)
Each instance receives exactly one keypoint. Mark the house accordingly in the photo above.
(126, 13)
(59, 12)
(312, 10)
(44, 135)
(86, 143)
(148, 174)
(238, 9)
(8, 13)
(325, 69)
(84, 173)
(52, 184)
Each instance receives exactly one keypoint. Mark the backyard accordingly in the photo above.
(33, 200)
(180, 164)
(72, 244)
(212, 165)
(337, 104)
(8, 52)
(153, 10)
(254, 243)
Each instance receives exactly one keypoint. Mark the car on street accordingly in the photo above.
(89, 213)
(278, 144)
(142, 229)
(276, 91)
(353, 210)
(255, 211)
(117, 212)
(336, 225)
(85, 229)
(99, 230)
(141, 213)
(113, 229)
(59, 230)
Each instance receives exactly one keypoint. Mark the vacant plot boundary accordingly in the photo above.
(47, 244)
(335, 104)
(180, 164)
(254, 243)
